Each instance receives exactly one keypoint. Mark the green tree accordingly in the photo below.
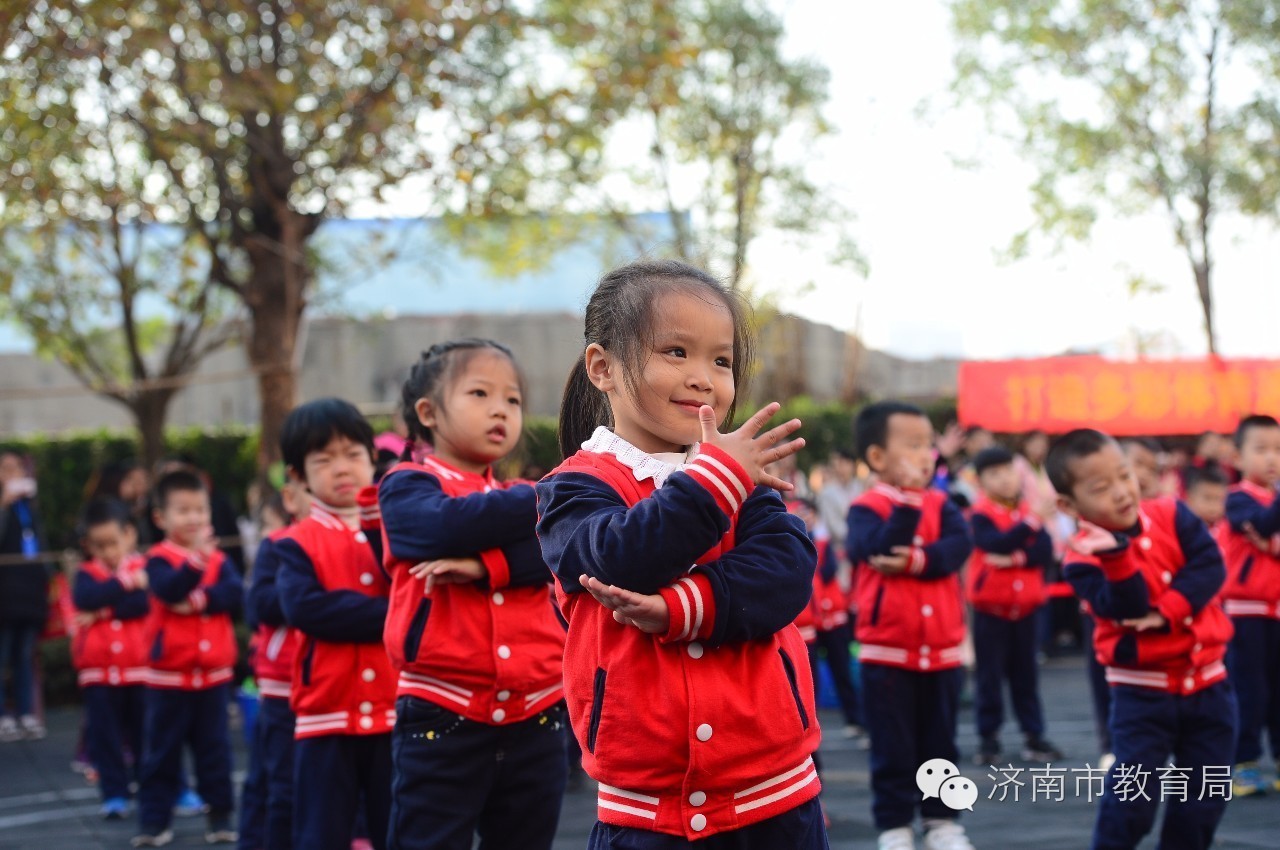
(1130, 105)
(261, 118)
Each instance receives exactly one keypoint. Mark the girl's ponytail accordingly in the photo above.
(583, 408)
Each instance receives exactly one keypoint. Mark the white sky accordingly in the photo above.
(930, 229)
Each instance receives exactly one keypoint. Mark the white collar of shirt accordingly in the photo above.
(643, 465)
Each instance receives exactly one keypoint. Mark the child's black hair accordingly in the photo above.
(104, 510)
(1207, 473)
(1247, 424)
(435, 370)
(177, 481)
(1149, 443)
(871, 427)
(310, 427)
(1072, 446)
(991, 457)
(620, 319)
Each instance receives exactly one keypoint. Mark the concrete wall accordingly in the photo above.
(366, 360)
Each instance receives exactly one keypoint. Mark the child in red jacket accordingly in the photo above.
(1150, 572)
(471, 632)
(680, 572)
(907, 544)
(333, 592)
(1006, 590)
(109, 650)
(197, 591)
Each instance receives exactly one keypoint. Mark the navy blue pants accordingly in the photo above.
(1098, 687)
(266, 801)
(1006, 652)
(835, 645)
(799, 829)
(911, 718)
(1149, 726)
(455, 778)
(197, 719)
(113, 721)
(332, 774)
(1254, 662)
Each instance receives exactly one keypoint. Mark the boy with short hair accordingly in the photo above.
(198, 591)
(1006, 589)
(109, 650)
(1206, 496)
(333, 591)
(907, 543)
(1149, 572)
(1251, 596)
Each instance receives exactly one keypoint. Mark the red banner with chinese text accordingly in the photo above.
(1152, 397)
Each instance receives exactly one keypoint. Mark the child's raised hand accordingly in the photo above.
(911, 476)
(1092, 539)
(753, 450)
(892, 564)
(207, 543)
(1150, 621)
(449, 571)
(647, 612)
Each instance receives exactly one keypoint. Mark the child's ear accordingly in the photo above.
(600, 368)
(875, 458)
(426, 412)
(296, 478)
(1067, 505)
(157, 516)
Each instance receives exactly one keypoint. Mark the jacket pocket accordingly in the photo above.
(875, 609)
(1245, 568)
(157, 646)
(418, 625)
(790, 670)
(597, 706)
(306, 662)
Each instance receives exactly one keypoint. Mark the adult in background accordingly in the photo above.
(24, 597)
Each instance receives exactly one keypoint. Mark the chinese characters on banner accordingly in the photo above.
(1058, 394)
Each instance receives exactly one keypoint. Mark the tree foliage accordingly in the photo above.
(1131, 105)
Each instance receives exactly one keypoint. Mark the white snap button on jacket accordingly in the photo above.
(499, 715)
(503, 696)
(698, 822)
(697, 798)
(498, 599)
(368, 674)
(504, 651)
(704, 732)
(695, 650)
(366, 579)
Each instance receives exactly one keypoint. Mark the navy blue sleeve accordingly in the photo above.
(1204, 572)
(988, 538)
(1040, 552)
(226, 595)
(171, 584)
(1121, 600)
(763, 583)
(422, 523)
(338, 616)
(263, 605)
(586, 528)
(89, 594)
(870, 535)
(134, 606)
(946, 555)
(827, 561)
(1243, 509)
(524, 560)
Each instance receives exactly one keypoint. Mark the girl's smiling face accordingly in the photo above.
(690, 364)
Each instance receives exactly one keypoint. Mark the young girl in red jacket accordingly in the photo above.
(479, 742)
(680, 572)
(110, 648)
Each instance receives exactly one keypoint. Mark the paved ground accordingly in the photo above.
(45, 806)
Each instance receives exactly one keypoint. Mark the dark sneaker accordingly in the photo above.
(988, 753)
(1038, 749)
(153, 839)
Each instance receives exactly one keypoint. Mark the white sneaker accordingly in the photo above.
(9, 730)
(32, 728)
(945, 835)
(1105, 762)
(901, 838)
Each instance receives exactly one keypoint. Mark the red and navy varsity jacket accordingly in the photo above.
(828, 608)
(495, 646)
(914, 620)
(1015, 592)
(275, 643)
(1253, 573)
(113, 649)
(711, 726)
(1168, 563)
(333, 591)
(197, 650)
